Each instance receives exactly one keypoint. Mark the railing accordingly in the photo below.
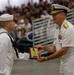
(43, 31)
(70, 16)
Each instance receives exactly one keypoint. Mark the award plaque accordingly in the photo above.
(34, 53)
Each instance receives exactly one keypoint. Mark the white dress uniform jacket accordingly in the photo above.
(65, 38)
(6, 53)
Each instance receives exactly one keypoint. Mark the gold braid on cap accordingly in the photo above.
(55, 11)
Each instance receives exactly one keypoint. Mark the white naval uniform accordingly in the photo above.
(6, 53)
(66, 40)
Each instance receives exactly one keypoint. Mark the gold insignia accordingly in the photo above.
(66, 25)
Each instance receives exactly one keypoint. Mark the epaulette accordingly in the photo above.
(66, 25)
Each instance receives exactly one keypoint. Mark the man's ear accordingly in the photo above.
(6, 24)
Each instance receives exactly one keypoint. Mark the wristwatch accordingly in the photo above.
(46, 58)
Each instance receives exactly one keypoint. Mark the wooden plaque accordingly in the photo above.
(34, 53)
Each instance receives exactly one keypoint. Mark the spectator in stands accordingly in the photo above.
(23, 43)
(63, 45)
(71, 4)
(27, 26)
(31, 19)
(46, 15)
(21, 23)
(6, 46)
(65, 2)
(18, 31)
(19, 28)
(57, 1)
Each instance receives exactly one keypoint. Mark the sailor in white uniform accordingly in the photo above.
(6, 48)
(63, 45)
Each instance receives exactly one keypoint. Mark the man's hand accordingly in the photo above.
(39, 53)
(41, 59)
(40, 47)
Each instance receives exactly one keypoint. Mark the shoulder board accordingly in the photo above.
(66, 25)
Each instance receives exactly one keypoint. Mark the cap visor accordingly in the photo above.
(55, 12)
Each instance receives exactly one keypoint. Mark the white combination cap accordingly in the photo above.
(56, 8)
(6, 17)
